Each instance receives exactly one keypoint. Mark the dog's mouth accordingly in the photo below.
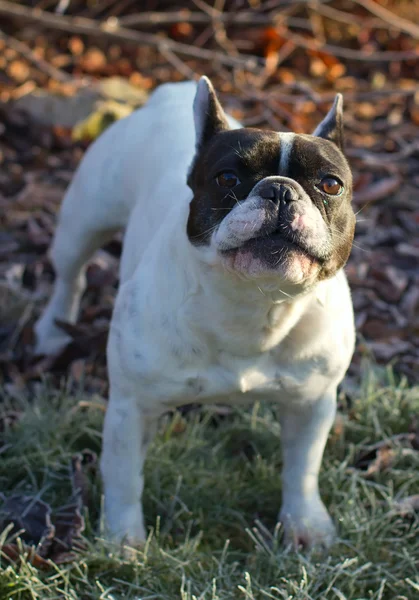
(273, 255)
(275, 247)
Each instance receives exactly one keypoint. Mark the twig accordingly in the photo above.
(270, 4)
(392, 157)
(205, 35)
(378, 190)
(249, 18)
(349, 53)
(365, 96)
(397, 438)
(111, 30)
(389, 17)
(220, 33)
(40, 63)
(23, 320)
(91, 10)
(346, 17)
(307, 93)
(285, 52)
(120, 6)
(317, 21)
(182, 67)
(267, 102)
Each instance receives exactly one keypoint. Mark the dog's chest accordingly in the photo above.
(236, 380)
(194, 359)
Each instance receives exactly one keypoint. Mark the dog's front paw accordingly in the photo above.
(307, 525)
(126, 527)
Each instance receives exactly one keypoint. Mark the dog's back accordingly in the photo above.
(126, 163)
(133, 175)
(139, 162)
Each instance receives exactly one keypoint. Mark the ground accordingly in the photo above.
(211, 499)
(213, 489)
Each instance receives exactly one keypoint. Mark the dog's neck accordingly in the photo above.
(248, 317)
(242, 316)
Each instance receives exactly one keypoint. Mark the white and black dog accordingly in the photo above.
(232, 286)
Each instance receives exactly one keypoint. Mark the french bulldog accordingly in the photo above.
(232, 286)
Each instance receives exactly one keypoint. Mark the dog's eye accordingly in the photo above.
(331, 186)
(227, 179)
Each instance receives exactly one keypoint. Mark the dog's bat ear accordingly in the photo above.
(209, 115)
(331, 128)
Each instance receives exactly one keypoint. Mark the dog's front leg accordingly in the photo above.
(126, 436)
(304, 431)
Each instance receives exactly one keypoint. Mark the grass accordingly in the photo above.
(212, 496)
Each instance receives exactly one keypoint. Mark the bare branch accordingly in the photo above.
(389, 17)
(40, 63)
(110, 29)
(245, 18)
(350, 53)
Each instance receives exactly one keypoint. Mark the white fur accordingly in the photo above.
(286, 139)
(184, 328)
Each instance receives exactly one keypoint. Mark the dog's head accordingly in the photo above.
(270, 205)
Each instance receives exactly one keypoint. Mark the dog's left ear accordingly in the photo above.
(331, 128)
(208, 113)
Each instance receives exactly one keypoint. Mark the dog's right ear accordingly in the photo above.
(208, 113)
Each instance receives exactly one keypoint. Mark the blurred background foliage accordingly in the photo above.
(70, 68)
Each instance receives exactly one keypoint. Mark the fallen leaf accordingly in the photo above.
(42, 537)
(82, 464)
(104, 115)
(380, 456)
(14, 553)
(376, 461)
(94, 61)
(30, 517)
(69, 524)
(407, 506)
(181, 31)
(18, 70)
(338, 428)
(386, 351)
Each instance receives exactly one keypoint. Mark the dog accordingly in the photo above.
(232, 286)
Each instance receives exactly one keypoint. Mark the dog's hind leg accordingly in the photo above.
(81, 230)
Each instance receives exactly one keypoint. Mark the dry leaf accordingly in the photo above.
(28, 515)
(82, 465)
(15, 552)
(69, 524)
(383, 459)
(380, 456)
(407, 506)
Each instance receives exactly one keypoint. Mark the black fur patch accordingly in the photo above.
(251, 153)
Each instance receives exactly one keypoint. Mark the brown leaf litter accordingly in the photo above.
(40, 534)
(291, 90)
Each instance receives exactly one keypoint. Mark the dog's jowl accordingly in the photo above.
(232, 286)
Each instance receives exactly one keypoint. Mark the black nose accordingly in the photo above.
(278, 193)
